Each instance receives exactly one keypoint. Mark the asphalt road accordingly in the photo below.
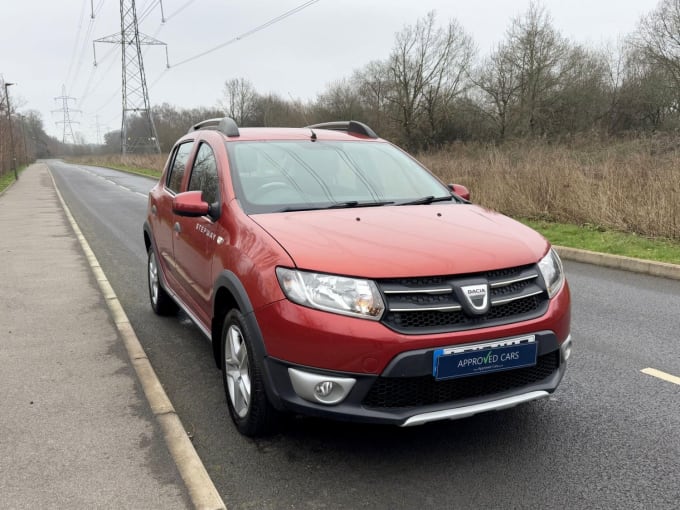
(608, 438)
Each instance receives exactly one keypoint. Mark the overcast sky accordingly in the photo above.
(47, 44)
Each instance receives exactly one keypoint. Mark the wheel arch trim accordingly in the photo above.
(228, 281)
(150, 243)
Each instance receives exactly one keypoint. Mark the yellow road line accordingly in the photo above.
(661, 375)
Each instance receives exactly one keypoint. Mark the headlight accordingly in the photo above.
(553, 274)
(338, 294)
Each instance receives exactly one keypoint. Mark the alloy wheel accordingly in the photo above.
(237, 371)
(153, 278)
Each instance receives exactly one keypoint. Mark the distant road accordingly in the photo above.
(608, 438)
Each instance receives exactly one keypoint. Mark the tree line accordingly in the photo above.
(22, 136)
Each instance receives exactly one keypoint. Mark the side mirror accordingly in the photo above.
(460, 190)
(190, 203)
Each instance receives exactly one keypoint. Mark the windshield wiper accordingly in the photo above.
(301, 208)
(428, 200)
(338, 205)
(356, 203)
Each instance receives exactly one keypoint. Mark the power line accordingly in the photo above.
(77, 39)
(86, 39)
(89, 88)
(269, 23)
(233, 40)
(179, 9)
(148, 10)
(172, 15)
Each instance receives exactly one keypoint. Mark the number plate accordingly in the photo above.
(477, 359)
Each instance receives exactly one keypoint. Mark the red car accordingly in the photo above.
(335, 276)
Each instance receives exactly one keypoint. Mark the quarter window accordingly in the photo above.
(178, 167)
(204, 174)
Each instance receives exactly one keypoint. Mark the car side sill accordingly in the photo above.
(464, 412)
(186, 310)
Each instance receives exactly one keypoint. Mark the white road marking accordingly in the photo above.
(661, 375)
(103, 177)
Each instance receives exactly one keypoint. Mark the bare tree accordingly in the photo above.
(273, 110)
(658, 38)
(375, 86)
(499, 82)
(581, 101)
(648, 97)
(340, 101)
(615, 61)
(427, 68)
(238, 100)
(539, 54)
(173, 122)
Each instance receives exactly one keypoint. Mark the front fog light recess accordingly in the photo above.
(320, 389)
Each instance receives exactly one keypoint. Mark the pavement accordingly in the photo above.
(84, 422)
(77, 429)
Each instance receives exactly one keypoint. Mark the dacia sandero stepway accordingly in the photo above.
(337, 277)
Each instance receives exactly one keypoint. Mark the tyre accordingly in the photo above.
(161, 302)
(247, 400)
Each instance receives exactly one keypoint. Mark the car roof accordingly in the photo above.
(336, 130)
(259, 134)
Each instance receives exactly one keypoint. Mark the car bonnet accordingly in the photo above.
(392, 241)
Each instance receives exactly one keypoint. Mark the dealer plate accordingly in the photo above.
(478, 359)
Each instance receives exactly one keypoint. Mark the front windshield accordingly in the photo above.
(271, 176)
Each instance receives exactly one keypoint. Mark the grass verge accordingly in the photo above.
(601, 240)
(148, 165)
(146, 172)
(7, 178)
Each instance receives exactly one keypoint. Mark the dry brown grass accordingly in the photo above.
(631, 186)
(138, 162)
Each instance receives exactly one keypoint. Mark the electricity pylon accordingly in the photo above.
(135, 94)
(66, 111)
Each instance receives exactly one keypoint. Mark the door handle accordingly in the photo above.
(177, 227)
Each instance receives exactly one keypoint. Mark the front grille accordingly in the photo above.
(430, 305)
(393, 392)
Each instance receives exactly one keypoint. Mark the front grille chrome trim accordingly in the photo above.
(505, 283)
(447, 308)
(503, 301)
(407, 290)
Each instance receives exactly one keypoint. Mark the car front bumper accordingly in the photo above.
(407, 394)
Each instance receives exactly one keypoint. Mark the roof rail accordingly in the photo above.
(225, 125)
(350, 126)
